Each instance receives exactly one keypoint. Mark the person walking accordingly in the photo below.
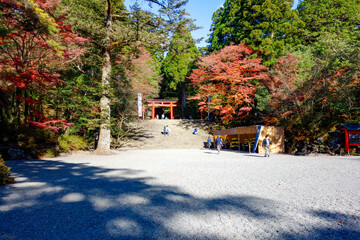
(209, 142)
(266, 144)
(219, 143)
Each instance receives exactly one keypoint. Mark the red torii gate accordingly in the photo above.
(153, 103)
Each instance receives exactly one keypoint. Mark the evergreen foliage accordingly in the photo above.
(269, 26)
(340, 17)
(179, 61)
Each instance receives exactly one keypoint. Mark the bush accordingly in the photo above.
(4, 173)
(72, 143)
(38, 142)
(43, 143)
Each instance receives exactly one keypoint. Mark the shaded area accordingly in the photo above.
(135, 136)
(59, 200)
(104, 203)
(191, 124)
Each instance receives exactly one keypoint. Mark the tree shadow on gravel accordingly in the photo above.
(137, 134)
(59, 200)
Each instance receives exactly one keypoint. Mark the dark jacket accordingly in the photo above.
(266, 142)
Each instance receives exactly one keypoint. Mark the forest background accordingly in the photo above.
(71, 70)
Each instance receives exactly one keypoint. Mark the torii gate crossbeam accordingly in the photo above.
(153, 103)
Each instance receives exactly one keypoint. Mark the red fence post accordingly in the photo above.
(346, 141)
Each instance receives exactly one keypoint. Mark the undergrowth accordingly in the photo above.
(5, 173)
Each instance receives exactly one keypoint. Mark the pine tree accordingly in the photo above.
(146, 31)
(178, 63)
(338, 17)
(268, 25)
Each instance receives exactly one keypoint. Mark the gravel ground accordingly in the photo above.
(182, 194)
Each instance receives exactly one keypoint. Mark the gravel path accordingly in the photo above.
(182, 194)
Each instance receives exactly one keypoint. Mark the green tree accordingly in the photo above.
(313, 92)
(339, 17)
(77, 100)
(105, 22)
(268, 25)
(178, 64)
(147, 29)
(116, 34)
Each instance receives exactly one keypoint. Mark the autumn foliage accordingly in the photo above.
(34, 45)
(229, 78)
(311, 106)
(143, 73)
(285, 89)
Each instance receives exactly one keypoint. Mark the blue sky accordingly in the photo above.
(202, 11)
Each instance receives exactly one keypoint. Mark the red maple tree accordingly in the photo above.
(34, 45)
(229, 77)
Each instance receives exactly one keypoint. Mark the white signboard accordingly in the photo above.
(139, 104)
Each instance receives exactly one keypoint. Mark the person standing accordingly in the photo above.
(209, 142)
(219, 143)
(167, 130)
(266, 144)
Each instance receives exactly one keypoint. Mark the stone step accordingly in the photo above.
(147, 134)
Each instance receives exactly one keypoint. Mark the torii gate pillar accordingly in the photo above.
(153, 110)
(171, 111)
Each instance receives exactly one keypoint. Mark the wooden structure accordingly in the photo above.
(352, 135)
(154, 103)
(253, 136)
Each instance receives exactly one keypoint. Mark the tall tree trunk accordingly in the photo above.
(103, 146)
